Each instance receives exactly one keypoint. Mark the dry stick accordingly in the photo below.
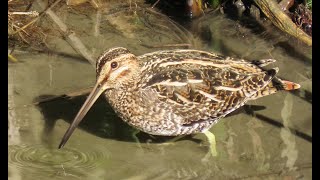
(35, 19)
(70, 36)
(155, 4)
(30, 13)
(97, 23)
(25, 26)
(272, 10)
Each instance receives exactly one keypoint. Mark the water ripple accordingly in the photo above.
(40, 157)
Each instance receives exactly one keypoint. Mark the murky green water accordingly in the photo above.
(271, 139)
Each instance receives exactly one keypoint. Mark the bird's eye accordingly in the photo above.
(114, 65)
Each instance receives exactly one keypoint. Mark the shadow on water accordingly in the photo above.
(102, 121)
(277, 124)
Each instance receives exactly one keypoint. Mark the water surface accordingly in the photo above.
(271, 139)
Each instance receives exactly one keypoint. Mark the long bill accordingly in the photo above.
(95, 93)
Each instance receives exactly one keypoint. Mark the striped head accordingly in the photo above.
(115, 68)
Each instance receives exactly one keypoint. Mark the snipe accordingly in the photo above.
(177, 92)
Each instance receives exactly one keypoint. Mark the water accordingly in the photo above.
(271, 139)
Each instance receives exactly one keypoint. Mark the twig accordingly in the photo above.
(12, 58)
(71, 37)
(55, 97)
(25, 26)
(31, 13)
(97, 23)
(272, 10)
(155, 4)
(35, 19)
(80, 92)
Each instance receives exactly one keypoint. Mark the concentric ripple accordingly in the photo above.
(40, 157)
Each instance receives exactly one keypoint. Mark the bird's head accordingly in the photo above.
(115, 67)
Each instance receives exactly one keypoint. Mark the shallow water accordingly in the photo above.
(271, 139)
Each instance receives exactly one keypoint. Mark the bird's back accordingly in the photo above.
(200, 86)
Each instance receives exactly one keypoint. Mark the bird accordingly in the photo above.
(177, 92)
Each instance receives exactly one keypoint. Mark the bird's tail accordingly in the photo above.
(274, 86)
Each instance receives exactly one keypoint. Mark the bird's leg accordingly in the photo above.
(212, 145)
(136, 139)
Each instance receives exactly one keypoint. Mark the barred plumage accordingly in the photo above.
(178, 92)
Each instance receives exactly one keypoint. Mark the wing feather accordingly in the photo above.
(202, 91)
